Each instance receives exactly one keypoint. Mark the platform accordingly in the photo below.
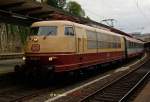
(4, 56)
(144, 95)
(7, 66)
(8, 61)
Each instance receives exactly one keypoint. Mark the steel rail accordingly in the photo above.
(124, 98)
(115, 81)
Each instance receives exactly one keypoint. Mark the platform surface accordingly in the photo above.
(144, 95)
(7, 66)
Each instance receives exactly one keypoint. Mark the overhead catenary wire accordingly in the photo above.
(144, 15)
(103, 18)
(109, 23)
(97, 15)
(141, 12)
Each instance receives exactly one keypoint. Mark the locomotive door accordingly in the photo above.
(79, 40)
(80, 45)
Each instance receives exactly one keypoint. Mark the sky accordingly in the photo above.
(130, 15)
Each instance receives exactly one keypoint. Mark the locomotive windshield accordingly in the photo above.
(51, 30)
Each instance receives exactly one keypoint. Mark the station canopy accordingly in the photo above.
(25, 12)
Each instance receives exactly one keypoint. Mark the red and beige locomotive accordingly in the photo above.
(61, 46)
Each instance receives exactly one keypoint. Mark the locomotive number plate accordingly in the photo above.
(35, 48)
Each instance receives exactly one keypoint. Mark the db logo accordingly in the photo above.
(35, 47)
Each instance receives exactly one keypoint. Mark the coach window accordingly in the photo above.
(69, 31)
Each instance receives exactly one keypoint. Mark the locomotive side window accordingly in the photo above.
(69, 31)
(91, 39)
(51, 30)
(108, 41)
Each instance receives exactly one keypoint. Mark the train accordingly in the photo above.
(64, 46)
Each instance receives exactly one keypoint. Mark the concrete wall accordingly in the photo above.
(11, 39)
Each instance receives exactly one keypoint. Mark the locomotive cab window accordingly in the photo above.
(48, 30)
(69, 31)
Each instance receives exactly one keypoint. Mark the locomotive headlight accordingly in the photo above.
(50, 58)
(35, 39)
(23, 58)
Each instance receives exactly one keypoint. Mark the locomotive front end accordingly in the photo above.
(40, 49)
(49, 48)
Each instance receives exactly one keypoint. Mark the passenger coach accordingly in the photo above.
(134, 47)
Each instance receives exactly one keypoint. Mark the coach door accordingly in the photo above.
(80, 40)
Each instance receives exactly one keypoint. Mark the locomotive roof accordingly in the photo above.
(49, 23)
(64, 22)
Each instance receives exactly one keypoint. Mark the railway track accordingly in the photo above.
(121, 89)
(14, 89)
(19, 94)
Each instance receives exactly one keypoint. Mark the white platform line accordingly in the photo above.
(75, 89)
(121, 69)
(139, 60)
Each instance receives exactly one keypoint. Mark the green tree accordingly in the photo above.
(23, 31)
(75, 8)
(88, 18)
(57, 3)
